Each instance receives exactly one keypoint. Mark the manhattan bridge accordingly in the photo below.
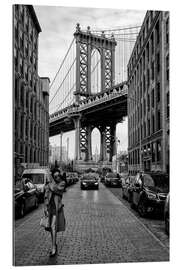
(90, 90)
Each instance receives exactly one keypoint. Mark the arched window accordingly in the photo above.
(95, 71)
(22, 96)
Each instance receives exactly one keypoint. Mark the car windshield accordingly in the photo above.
(112, 175)
(88, 176)
(148, 181)
(36, 178)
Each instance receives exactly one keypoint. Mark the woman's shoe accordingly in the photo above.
(52, 254)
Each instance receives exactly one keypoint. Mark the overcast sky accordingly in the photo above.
(58, 25)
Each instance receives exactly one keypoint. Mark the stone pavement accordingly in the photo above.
(100, 229)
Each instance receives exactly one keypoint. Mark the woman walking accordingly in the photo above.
(53, 207)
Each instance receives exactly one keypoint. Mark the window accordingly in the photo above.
(167, 67)
(152, 43)
(22, 125)
(16, 32)
(167, 101)
(144, 107)
(151, 15)
(148, 127)
(167, 31)
(147, 25)
(158, 62)
(21, 66)
(26, 72)
(158, 120)
(153, 150)
(148, 78)
(148, 102)
(152, 70)
(31, 131)
(34, 132)
(152, 98)
(31, 57)
(147, 52)
(144, 83)
(16, 90)
(158, 93)
(22, 96)
(144, 129)
(144, 34)
(27, 127)
(144, 60)
(27, 101)
(158, 150)
(31, 107)
(157, 33)
(153, 124)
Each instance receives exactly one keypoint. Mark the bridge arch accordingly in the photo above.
(95, 71)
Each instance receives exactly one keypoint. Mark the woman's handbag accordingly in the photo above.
(44, 222)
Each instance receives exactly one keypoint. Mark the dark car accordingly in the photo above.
(69, 179)
(127, 186)
(89, 181)
(113, 180)
(25, 197)
(149, 193)
(166, 214)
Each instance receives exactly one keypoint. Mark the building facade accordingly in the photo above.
(58, 153)
(148, 96)
(30, 92)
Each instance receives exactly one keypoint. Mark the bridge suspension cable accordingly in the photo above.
(63, 83)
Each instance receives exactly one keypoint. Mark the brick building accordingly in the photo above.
(30, 92)
(148, 96)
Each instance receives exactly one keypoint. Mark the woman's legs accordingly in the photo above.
(53, 233)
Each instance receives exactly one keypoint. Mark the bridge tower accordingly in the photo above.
(86, 42)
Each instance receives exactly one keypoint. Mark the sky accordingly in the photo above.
(58, 25)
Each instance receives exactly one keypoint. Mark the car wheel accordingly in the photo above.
(142, 209)
(22, 210)
(167, 224)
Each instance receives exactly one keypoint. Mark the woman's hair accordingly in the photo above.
(55, 170)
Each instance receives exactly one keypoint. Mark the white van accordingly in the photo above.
(39, 177)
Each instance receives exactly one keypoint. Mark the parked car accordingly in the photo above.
(39, 178)
(166, 213)
(149, 193)
(25, 197)
(89, 180)
(127, 186)
(113, 180)
(70, 178)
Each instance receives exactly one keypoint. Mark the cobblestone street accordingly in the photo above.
(100, 229)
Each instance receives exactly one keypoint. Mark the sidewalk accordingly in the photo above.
(100, 229)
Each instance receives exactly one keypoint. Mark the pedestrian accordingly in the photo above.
(53, 207)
